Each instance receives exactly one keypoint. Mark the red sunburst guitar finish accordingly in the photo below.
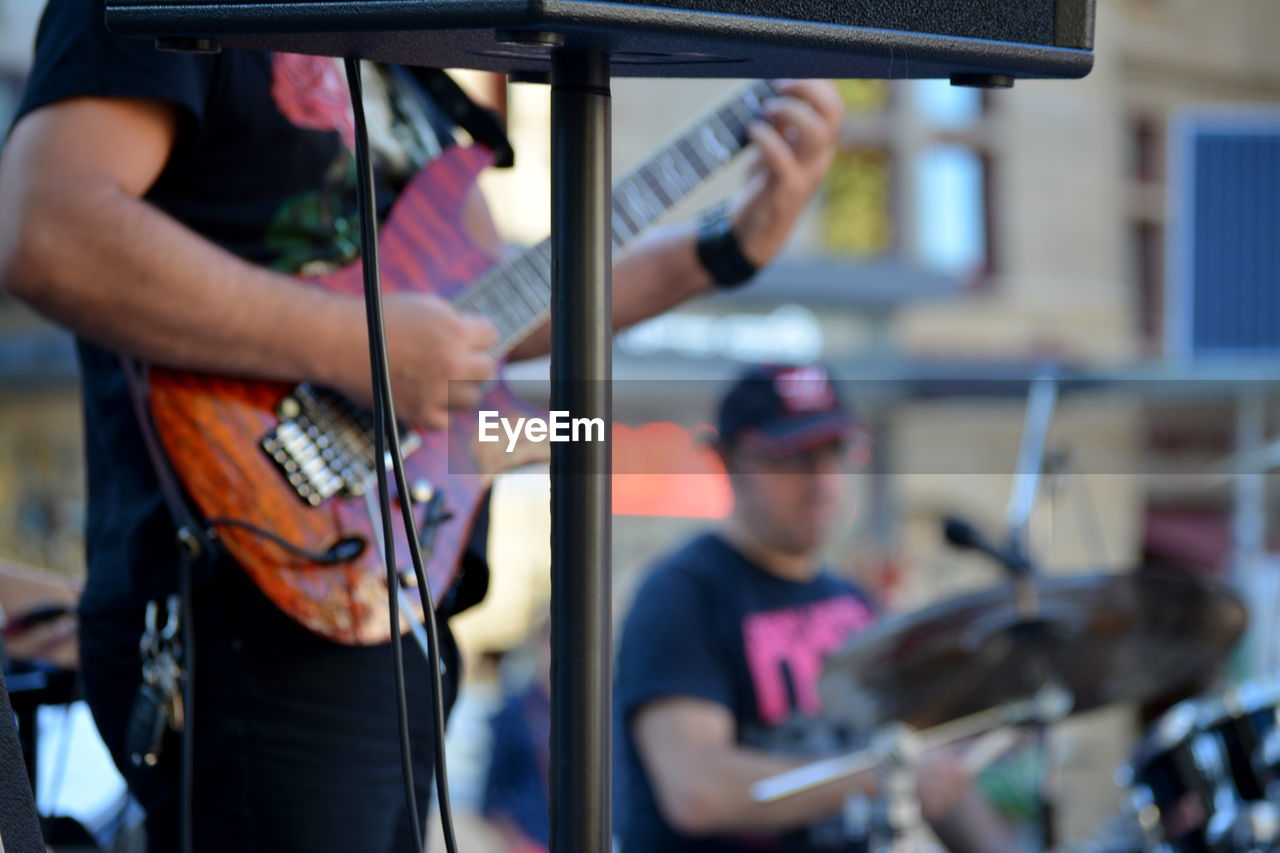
(246, 451)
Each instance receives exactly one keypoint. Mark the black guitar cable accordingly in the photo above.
(387, 440)
(372, 295)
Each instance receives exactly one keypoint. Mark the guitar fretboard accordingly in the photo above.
(516, 294)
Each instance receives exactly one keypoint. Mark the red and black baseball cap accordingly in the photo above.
(784, 409)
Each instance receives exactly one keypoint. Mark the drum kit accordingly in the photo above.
(1204, 779)
(1207, 777)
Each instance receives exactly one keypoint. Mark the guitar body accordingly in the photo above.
(213, 430)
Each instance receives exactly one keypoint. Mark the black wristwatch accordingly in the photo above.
(719, 252)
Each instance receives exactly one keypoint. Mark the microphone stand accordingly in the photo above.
(1041, 401)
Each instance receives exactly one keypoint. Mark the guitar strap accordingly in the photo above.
(484, 125)
(197, 543)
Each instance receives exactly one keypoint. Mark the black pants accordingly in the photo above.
(296, 745)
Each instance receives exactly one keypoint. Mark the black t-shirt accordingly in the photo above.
(263, 167)
(709, 624)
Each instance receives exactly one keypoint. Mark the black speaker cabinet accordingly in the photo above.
(975, 41)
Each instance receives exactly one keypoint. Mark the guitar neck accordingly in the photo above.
(516, 294)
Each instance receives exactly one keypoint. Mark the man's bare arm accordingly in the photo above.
(702, 782)
(78, 243)
(702, 778)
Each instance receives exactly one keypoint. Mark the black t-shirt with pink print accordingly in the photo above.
(709, 624)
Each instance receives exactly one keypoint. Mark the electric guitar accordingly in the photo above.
(285, 474)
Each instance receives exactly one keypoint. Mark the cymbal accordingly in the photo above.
(1103, 637)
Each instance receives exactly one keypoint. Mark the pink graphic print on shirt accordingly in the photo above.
(799, 638)
(312, 93)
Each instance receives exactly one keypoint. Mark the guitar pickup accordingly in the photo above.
(310, 461)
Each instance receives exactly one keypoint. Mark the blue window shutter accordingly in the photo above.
(1224, 238)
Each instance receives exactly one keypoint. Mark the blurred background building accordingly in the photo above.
(1120, 230)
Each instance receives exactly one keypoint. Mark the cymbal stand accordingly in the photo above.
(895, 813)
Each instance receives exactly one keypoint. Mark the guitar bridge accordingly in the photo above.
(323, 445)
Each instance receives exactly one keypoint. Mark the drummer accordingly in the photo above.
(716, 678)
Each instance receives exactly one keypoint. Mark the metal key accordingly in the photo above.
(168, 685)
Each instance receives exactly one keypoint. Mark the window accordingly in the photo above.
(859, 202)
(945, 106)
(911, 179)
(951, 210)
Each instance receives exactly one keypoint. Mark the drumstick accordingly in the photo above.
(1048, 704)
(828, 770)
(987, 749)
(813, 775)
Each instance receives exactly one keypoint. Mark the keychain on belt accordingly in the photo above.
(158, 708)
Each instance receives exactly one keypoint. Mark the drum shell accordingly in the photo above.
(1180, 784)
(1247, 721)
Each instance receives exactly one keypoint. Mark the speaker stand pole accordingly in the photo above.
(581, 368)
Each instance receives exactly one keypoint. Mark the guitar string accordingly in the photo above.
(663, 193)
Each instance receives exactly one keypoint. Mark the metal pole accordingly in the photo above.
(1249, 520)
(581, 323)
(1249, 528)
(1026, 478)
